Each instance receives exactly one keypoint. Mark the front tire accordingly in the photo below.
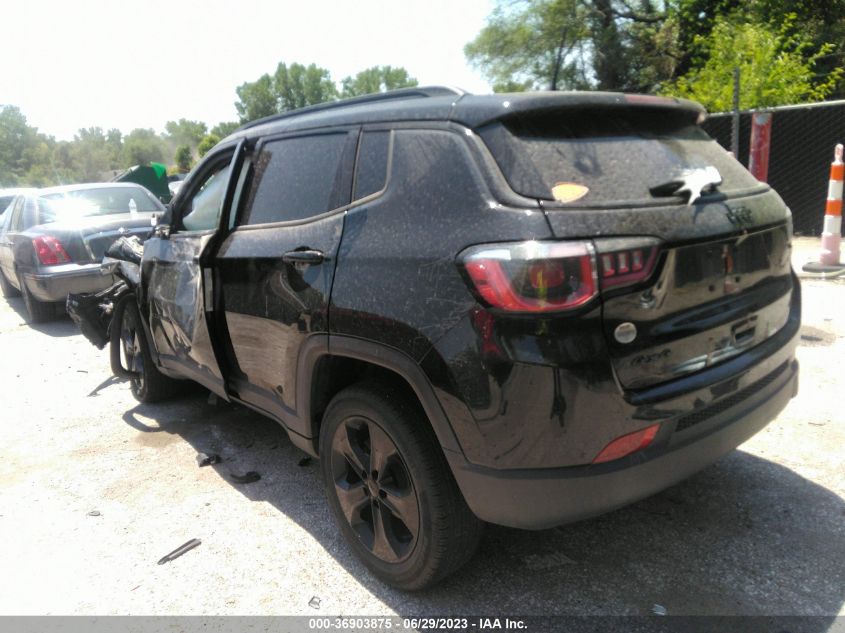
(390, 488)
(148, 384)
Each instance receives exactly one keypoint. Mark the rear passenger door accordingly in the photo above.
(276, 265)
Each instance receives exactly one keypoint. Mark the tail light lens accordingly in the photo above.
(50, 250)
(625, 261)
(533, 277)
(627, 444)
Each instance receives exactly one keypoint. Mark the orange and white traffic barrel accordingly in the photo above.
(832, 232)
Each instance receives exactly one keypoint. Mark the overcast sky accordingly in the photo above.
(86, 63)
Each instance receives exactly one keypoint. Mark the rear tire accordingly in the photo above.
(391, 490)
(6, 286)
(38, 311)
(147, 383)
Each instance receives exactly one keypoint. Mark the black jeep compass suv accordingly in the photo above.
(524, 309)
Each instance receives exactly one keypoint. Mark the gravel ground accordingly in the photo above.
(760, 532)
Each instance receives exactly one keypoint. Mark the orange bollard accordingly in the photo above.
(832, 231)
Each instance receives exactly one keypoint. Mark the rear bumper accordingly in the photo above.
(543, 498)
(56, 282)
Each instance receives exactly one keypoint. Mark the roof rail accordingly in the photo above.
(401, 93)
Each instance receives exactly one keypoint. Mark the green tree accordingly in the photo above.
(576, 44)
(26, 155)
(820, 21)
(207, 143)
(537, 44)
(143, 146)
(377, 79)
(288, 88)
(16, 137)
(224, 128)
(776, 66)
(185, 132)
(256, 99)
(298, 86)
(90, 154)
(184, 158)
(114, 142)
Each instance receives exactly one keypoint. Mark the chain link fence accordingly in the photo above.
(803, 138)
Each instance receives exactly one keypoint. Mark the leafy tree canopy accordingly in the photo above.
(289, 88)
(207, 143)
(224, 128)
(142, 147)
(777, 66)
(376, 79)
(184, 158)
(643, 45)
(296, 86)
(185, 132)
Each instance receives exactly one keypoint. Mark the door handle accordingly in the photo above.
(303, 257)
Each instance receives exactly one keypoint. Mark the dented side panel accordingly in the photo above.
(272, 306)
(173, 290)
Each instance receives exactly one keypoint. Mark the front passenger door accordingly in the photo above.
(177, 278)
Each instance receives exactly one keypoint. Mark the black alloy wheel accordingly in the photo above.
(390, 488)
(375, 489)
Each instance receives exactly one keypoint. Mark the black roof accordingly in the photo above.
(439, 103)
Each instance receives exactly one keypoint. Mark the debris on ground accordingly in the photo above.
(194, 542)
(540, 562)
(314, 602)
(246, 478)
(304, 461)
(204, 459)
(659, 609)
(94, 513)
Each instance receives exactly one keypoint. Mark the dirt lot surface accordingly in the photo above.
(760, 532)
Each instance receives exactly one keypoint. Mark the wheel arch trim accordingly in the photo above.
(319, 346)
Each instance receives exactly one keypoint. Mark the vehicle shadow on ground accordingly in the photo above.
(60, 326)
(743, 537)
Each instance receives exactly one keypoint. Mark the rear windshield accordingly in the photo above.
(99, 201)
(605, 157)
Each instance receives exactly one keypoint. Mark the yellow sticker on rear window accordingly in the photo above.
(569, 191)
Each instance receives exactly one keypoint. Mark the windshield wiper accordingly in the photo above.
(691, 182)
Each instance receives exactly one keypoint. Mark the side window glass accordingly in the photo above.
(203, 209)
(295, 179)
(371, 175)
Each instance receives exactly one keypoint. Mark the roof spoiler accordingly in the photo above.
(501, 107)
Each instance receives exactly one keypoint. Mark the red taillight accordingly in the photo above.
(533, 276)
(50, 250)
(625, 266)
(627, 444)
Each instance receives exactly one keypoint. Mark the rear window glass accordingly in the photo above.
(99, 201)
(372, 164)
(605, 157)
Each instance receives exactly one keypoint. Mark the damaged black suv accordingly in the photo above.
(522, 309)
